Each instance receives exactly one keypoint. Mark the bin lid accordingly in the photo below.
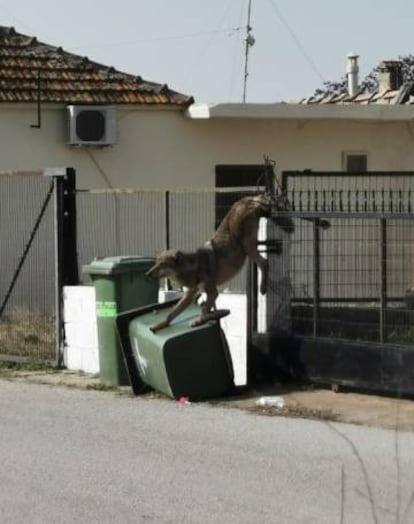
(118, 264)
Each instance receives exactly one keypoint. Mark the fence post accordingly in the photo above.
(167, 219)
(383, 277)
(251, 318)
(66, 257)
(316, 276)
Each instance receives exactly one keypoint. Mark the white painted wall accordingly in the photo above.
(161, 148)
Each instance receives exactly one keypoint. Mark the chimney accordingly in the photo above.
(390, 75)
(352, 71)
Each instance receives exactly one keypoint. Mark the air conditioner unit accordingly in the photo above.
(92, 125)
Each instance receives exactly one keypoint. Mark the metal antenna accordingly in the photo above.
(250, 40)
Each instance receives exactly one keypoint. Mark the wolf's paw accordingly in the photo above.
(211, 315)
(159, 325)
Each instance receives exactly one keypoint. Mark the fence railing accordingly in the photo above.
(363, 260)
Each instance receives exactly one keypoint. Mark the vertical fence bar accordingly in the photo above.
(383, 280)
(66, 260)
(167, 219)
(249, 327)
(58, 229)
(118, 236)
(251, 319)
(70, 266)
(316, 276)
(168, 284)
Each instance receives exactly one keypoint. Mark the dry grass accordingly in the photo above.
(27, 333)
(297, 411)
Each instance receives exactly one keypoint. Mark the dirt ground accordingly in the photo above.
(300, 401)
(342, 406)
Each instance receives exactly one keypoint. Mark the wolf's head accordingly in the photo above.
(166, 264)
(280, 213)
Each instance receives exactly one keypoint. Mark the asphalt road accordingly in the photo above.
(92, 457)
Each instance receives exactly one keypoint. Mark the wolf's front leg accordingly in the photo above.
(184, 302)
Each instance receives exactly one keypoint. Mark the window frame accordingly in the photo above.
(346, 155)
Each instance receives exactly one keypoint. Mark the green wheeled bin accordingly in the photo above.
(120, 285)
(179, 360)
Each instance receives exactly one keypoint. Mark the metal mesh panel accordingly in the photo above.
(350, 280)
(400, 256)
(120, 223)
(27, 322)
(274, 311)
(192, 216)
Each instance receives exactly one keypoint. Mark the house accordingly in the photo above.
(161, 138)
(353, 131)
(120, 131)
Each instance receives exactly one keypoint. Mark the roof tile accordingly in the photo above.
(398, 96)
(70, 79)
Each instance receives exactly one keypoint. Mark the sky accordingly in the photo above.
(197, 47)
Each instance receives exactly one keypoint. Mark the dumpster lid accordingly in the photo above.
(118, 264)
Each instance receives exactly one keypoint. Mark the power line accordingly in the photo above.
(197, 58)
(296, 40)
(229, 31)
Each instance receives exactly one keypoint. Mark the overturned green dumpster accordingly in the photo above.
(180, 360)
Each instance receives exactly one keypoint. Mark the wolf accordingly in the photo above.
(220, 259)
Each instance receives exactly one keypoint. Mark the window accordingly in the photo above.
(246, 177)
(355, 162)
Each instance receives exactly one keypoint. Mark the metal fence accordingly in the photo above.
(351, 280)
(36, 249)
(27, 283)
(348, 280)
(139, 222)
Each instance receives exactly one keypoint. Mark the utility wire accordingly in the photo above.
(229, 30)
(295, 38)
(197, 59)
(236, 63)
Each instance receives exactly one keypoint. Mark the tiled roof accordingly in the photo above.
(29, 68)
(404, 95)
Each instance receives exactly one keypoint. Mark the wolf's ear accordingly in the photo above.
(178, 256)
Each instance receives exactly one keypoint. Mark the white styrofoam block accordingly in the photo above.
(79, 313)
(234, 327)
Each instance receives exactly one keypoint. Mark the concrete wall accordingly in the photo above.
(162, 148)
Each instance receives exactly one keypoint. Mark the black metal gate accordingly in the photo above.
(37, 257)
(350, 268)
